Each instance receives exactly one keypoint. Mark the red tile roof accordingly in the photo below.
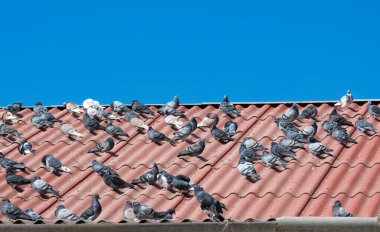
(306, 188)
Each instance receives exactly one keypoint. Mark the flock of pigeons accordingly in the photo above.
(94, 114)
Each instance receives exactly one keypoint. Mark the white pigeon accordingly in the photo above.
(91, 102)
(345, 101)
(173, 121)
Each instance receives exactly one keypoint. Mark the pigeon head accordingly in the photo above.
(170, 211)
(246, 139)
(333, 110)
(38, 104)
(95, 196)
(294, 105)
(110, 140)
(193, 119)
(196, 187)
(155, 166)
(175, 98)
(95, 162)
(128, 205)
(369, 103)
(225, 98)
(273, 143)
(348, 92)
(202, 142)
(337, 203)
(134, 102)
(314, 123)
(59, 207)
(5, 200)
(36, 178)
(44, 159)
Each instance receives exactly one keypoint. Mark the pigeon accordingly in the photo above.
(129, 114)
(128, 212)
(69, 130)
(53, 164)
(228, 108)
(212, 207)
(208, 120)
(101, 168)
(94, 210)
(72, 107)
(373, 110)
(8, 130)
(339, 119)
(292, 113)
(9, 164)
(339, 211)
(39, 108)
(170, 108)
(248, 154)
(141, 108)
(285, 124)
(105, 115)
(103, 146)
(185, 130)
(182, 183)
(346, 100)
(8, 117)
(172, 120)
(115, 130)
(291, 143)
(161, 215)
(114, 181)
(91, 124)
(270, 160)
(149, 177)
(145, 212)
(156, 136)
(91, 103)
(219, 134)
(135, 120)
(363, 125)
(330, 126)
(342, 137)
(309, 112)
(62, 213)
(24, 147)
(193, 149)
(311, 130)
(253, 144)
(48, 116)
(14, 108)
(318, 149)
(15, 180)
(35, 216)
(165, 179)
(246, 169)
(292, 134)
(12, 212)
(231, 128)
(281, 151)
(40, 121)
(118, 107)
(42, 187)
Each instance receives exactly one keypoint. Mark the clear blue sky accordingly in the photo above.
(52, 51)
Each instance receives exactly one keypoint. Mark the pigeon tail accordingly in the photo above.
(93, 150)
(65, 169)
(137, 181)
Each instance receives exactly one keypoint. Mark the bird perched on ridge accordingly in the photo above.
(72, 107)
(246, 169)
(373, 110)
(24, 147)
(339, 119)
(345, 101)
(209, 119)
(118, 107)
(115, 130)
(101, 168)
(54, 164)
(228, 108)
(281, 151)
(12, 212)
(114, 181)
(15, 180)
(156, 136)
(14, 108)
(42, 187)
(219, 134)
(103, 146)
(318, 149)
(339, 211)
(309, 112)
(193, 149)
(231, 128)
(171, 107)
(91, 124)
(363, 125)
(292, 113)
(9, 164)
(149, 177)
(270, 160)
(94, 210)
(69, 130)
(62, 213)
(39, 108)
(141, 108)
(8, 130)
(211, 206)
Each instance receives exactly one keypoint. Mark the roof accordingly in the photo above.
(306, 188)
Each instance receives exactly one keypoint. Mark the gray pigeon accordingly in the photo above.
(156, 136)
(15, 180)
(8, 130)
(285, 124)
(193, 149)
(339, 211)
(12, 212)
(339, 119)
(330, 126)
(209, 119)
(145, 212)
(114, 181)
(100, 168)
(211, 206)
(129, 114)
(40, 122)
(9, 164)
(149, 177)
(219, 134)
(281, 151)
(24, 147)
(253, 144)
(246, 169)
(248, 154)
(311, 130)
(35, 216)
(48, 117)
(62, 213)
(373, 110)
(231, 128)
(14, 108)
(318, 149)
(141, 108)
(38, 108)
(270, 160)
(54, 165)
(118, 107)
(292, 113)
(291, 143)
(182, 133)
(309, 112)
(94, 210)
(296, 135)
(91, 124)
(342, 137)
(42, 187)
(171, 107)
(165, 179)
(182, 183)
(103, 146)
(363, 125)
(228, 108)
(69, 130)
(115, 130)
